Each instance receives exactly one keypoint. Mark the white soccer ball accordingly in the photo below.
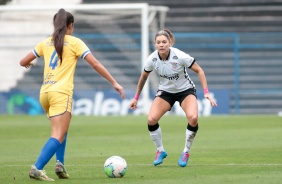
(115, 167)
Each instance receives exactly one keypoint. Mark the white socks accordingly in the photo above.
(189, 140)
(156, 137)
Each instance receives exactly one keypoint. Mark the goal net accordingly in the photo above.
(117, 34)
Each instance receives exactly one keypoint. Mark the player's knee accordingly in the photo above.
(152, 120)
(59, 136)
(192, 118)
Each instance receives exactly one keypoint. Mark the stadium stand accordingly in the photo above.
(258, 87)
(251, 69)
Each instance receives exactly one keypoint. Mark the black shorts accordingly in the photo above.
(171, 98)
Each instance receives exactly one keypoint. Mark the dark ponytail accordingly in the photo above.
(61, 20)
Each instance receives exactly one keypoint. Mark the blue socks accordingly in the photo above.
(60, 153)
(47, 152)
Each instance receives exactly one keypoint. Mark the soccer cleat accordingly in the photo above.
(61, 171)
(182, 161)
(159, 157)
(36, 174)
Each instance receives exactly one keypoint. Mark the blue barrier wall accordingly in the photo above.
(101, 103)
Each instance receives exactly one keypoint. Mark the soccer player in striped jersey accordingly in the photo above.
(172, 64)
(60, 52)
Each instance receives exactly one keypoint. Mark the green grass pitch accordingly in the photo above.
(227, 149)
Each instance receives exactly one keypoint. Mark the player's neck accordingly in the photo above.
(164, 56)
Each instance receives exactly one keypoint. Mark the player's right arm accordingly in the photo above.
(142, 80)
(37, 52)
(27, 60)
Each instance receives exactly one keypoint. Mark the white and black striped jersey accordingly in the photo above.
(172, 72)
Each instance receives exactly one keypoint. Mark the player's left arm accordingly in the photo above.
(27, 60)
(201, 74)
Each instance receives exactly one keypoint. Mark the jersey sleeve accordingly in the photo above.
(38, 50)
(149, 65)
(82, 50)
(187, 60)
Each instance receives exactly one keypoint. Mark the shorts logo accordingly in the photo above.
(159, 93)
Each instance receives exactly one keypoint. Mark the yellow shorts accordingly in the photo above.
(55, 103)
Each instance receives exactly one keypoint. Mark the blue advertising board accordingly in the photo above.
(105, 102)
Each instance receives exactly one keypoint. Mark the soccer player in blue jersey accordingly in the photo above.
(60, 52)
(172, 64)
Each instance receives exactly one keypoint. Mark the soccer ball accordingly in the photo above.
(115, 167)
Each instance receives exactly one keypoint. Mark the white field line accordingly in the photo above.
(190, 165)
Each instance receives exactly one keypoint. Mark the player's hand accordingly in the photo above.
(119, 89)
(28, 65)
(133, 104)
(210, 98)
